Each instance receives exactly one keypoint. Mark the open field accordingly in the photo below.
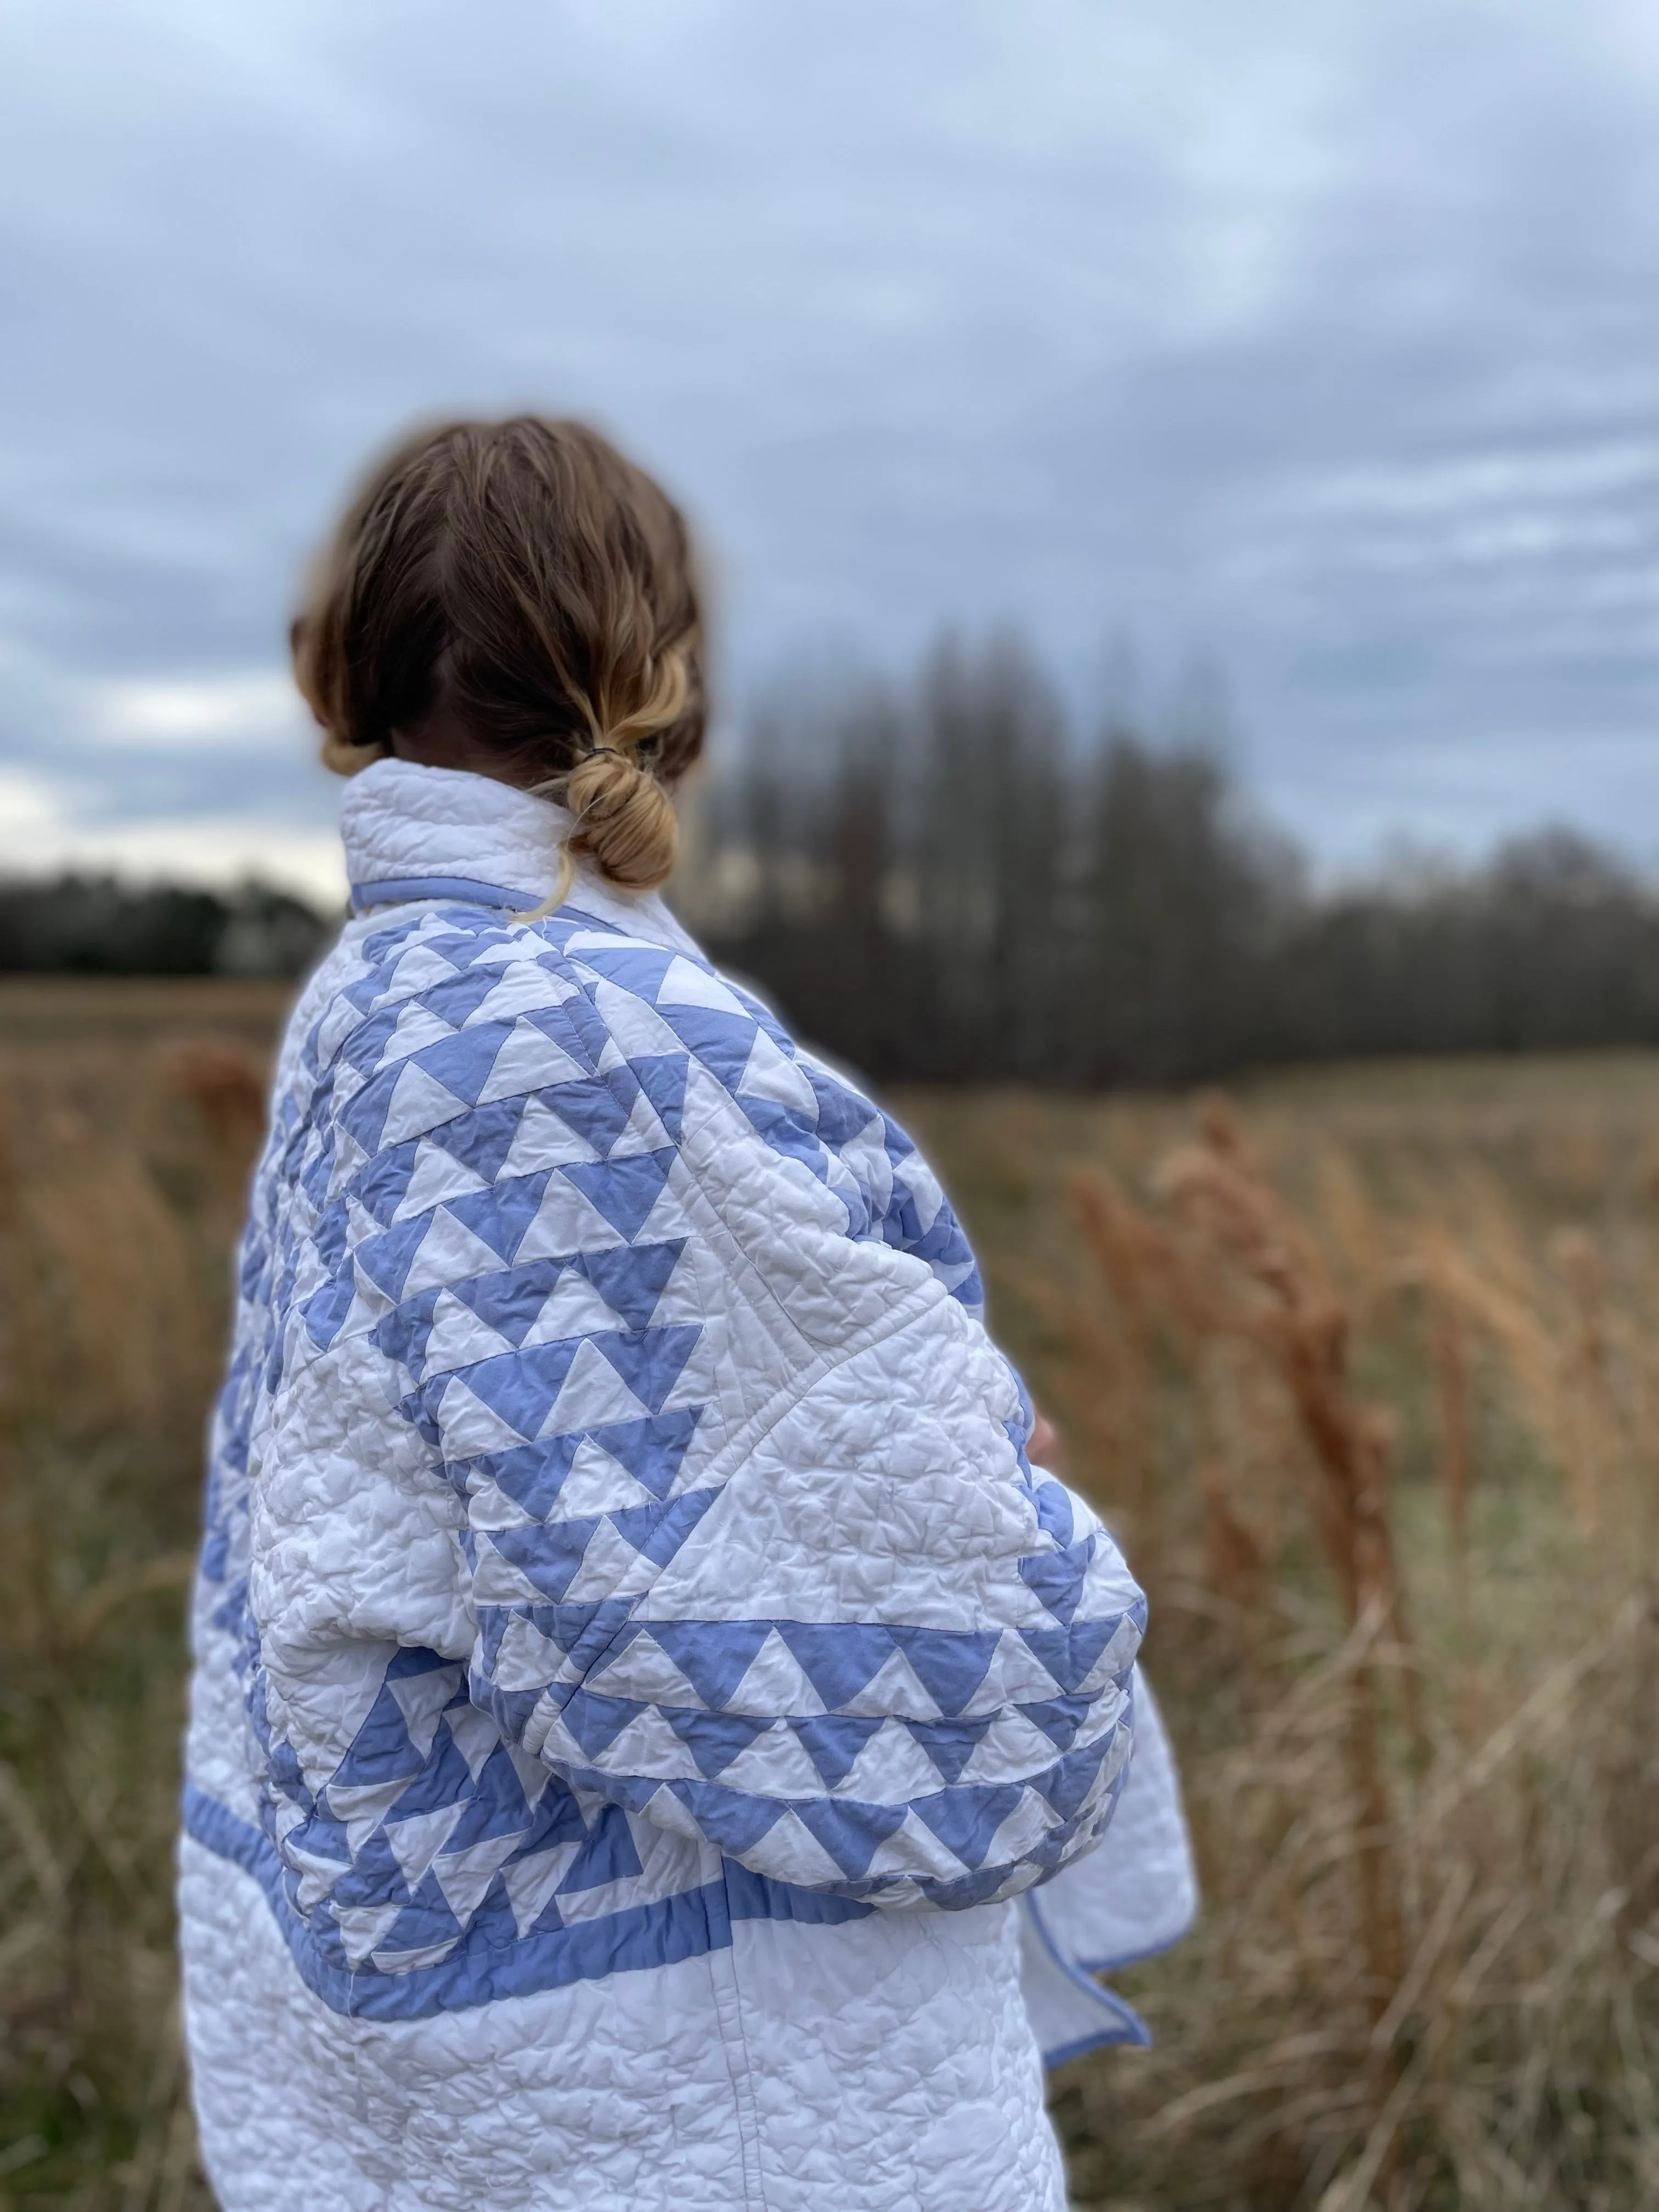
(1363, 1367)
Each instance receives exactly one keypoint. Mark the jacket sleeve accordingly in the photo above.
(754, 1549)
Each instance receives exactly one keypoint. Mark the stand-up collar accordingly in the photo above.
(413, 833)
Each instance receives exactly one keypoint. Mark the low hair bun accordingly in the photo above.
(625, 821)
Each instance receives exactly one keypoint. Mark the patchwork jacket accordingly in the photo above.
(634, 1647)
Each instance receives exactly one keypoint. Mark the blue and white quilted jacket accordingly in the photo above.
(637, 1664)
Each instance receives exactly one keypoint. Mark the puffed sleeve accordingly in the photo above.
(754, 1549)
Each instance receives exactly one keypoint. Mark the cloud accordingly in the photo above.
(28, 806)
(200, 710)
(41, 834)
(1312, 339)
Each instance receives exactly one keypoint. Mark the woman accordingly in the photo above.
(638, 1664)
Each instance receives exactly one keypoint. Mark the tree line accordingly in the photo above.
(943, 880)
(97, 925)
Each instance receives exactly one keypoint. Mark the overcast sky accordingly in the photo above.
(1316, 343)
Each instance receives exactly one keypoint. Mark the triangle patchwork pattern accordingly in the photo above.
(474, 1173)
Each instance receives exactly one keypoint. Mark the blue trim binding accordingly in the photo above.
(1126, 2025)
(688, 1925)
(1127, 1959)
(402, 890)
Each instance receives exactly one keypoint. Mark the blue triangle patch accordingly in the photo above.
(623, 1191)
(461, 1062)
(381, 1750)
(324, 1838)
(839, 1658)
(657, 1531)
(459, 998)
(363, 1117)
(387, 1259)
(731, 1818)
(332, 1235)
(662, 1078)
(651, 1450)
(466, 934)
(511, 1302)
(848, 1829)
(585, 1632)
(402, 1334)
(966, 1819)
(598, 1108)
(1059, 1718)
(325, 1311)
(639, 968)
(512, 1710)
(362, 1049)
(632, 1281)
(426, 1920)
(949, 1664)
(1072, 1654)
(970, 1889)
(843, 1113)
(441, 1781)
(483, 1137)
(533, 1475)
(411, 1660)
(651, 1362)
(1057, 1577)
(721, 1042)
(558, 1821)
(378, 1190)
(597, 1722)
(948, 1744)
(713, 1740)
(493, 1621)
(713, 1656)
(501, 1214)
(492, 1928)
(558, 1024)
(521, 1386)
(833, 1742)
(1069, 1780)
(573, 1025)
(610, 1854)
(1053, 1511)
(547, 1553)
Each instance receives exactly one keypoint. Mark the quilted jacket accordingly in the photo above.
(637, 1665)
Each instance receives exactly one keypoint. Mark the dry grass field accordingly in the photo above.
(1363, 1365)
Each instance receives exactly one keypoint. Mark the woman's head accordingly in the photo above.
(516, 598)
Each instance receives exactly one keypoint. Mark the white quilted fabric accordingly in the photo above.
(637, 1665)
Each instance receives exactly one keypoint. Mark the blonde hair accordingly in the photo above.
(527, 581)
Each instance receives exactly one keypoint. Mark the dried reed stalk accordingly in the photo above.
(1234, 1265)
(1431, 1269)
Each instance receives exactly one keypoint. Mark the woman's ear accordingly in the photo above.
(348, 760)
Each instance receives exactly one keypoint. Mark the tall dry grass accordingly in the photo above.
(1364, 1369)
(121, 1168)
(1384, 1452)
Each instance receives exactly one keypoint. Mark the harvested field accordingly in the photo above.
(1363, 1367)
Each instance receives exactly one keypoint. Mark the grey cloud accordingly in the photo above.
(1312, 350)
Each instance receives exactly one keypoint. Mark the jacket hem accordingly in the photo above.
(1121, 2023)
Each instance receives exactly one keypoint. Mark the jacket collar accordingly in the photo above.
(414, 834)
